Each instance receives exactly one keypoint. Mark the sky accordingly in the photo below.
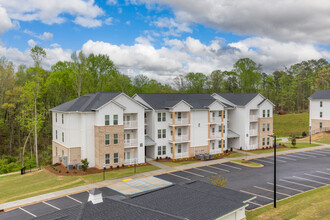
(165, 38)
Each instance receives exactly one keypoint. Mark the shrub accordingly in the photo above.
(160, 158)
(123, 165)
(293, 141)
(304, 134)
(59, 171)
(84, 165)
(67, 171)
(117, 166)
(231, 149)
(111, 167)
(240, 148)
(156, 158)
(227, 151)
(75, 172)
(219, 180)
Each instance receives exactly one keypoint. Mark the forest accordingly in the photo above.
(27, 94)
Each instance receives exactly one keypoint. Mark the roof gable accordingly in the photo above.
(321, 94)
(240, 99)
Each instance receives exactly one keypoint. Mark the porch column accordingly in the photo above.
(209, 127)
(173, 131)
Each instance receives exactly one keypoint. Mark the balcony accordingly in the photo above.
(253, 118)
(215, 135)
(181, 138)
(216, 151)
(130, 124)
(180, 121)
(130, 161)
(130, 142)
(215, 120)
(253, 146)
(181, 155)
(253, 132)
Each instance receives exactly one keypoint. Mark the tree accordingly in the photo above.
(196, 82)
(37, 53)
(249, 75)
(79, 70)
(216, 80)
(293, 141)
(180, 83)
(85, 164)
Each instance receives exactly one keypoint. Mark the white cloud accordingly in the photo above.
(51, 11)
(5, 22)
(55, 45)
(108, 21)
(31, 43)
(112, 2)
(174, 27)
(47, 36)
(128, 22)
(44, 36)
(88, 22)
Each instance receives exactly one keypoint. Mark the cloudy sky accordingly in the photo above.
(165, 38)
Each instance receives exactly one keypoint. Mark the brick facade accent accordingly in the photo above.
(59, 150)
(101, 149)
(264, 134)
(199, 150)
(315, 123)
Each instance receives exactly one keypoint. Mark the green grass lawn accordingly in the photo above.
(233, 155)
(291, 124)
(15, 187)
(180, 163)
(313, 204)
(252, 164)
(298, 145)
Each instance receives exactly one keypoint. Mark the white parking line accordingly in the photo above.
(276, 159)
(321, 177)
(27, 212)
(314, 153)
(74, 199)
(295, 156)
(312, 187)
(297, 177)
(328, 169)
(323, 172)
(269, 190)
(219, 168)
(179, 176)
(51, 205)
(254, 203)
(205, 170)
(285, 187)
(326, 149)
(323, 152)
(263, 161)
(192, 173)
(256, 195)
(237, 168)
(286, 158)
(307, 155)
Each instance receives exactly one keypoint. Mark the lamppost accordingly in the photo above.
(310, 134)
(103, 171)
(274, 136)
(134, 160)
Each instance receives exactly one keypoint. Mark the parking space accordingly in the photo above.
(82, 197)
(39, 209)
(16, 214)
(63, 202)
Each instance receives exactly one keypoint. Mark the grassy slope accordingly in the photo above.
(15, 187)
(291, 124)
(298, 145)
(252, 164)
(309, 205)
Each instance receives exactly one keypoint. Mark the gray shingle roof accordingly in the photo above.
(240, 99)
(160, 101)
(321, 94)
(86, 103)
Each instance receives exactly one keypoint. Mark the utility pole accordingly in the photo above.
(274, 171)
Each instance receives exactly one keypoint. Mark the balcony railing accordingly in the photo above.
(130, 124)
(181, 155)
(130, 142)
(253, 132)
(216, 151)
(180, 121)
(215, 135)
(130, 161)
(215, 119)
(253, 146)
(181, 138)
(253, 117)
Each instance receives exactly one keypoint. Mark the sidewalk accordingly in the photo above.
(164, 169)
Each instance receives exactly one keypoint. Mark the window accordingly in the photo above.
(164, 133)
(159, 150)
(179, 132)
(127, 155)
(179, 115)
(171, 132)
(115, 119)
(106, 120)
(115, 138)
(145, 131)
(179, 148)
(220, 128)
(164, 150)
(159, 133)
(164, 116)
(320, 124)
(268, 125)
(220, 114)
(56, 134)
(263, 113)
(159, 116)
(321, 104)
(55, 117)
(171, 115)
(107, 159)
(263, 127)
(267, 141)
(213, 145)
(219, 144)
(224, 114)
(62, 118)
(268, 113)
(115, 157)
(224, 143)
(171, 150)
(224, 128)
(263, 141)
(213, 130)
(107, 139)
(320, 114)
(62, 136)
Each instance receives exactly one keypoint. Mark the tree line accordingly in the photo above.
(27, 94)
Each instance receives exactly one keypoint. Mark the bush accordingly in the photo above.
(240, 148)
(67, 171)
(156, 158)
(84, 165)
(60, 171)
(123, 165)
(75, 172)
(117, 166)
(231, 149)
(219, 180)
(304, 134)
(293, 141)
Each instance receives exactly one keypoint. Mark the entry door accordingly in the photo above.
(128, 138)
(127, 155)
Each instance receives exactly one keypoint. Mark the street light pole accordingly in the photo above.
(274, 171)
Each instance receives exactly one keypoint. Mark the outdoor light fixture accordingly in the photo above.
(274, 136)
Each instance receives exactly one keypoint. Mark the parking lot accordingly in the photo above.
(296, 173)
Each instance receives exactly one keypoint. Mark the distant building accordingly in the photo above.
(319, 111)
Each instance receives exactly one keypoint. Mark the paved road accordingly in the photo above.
(296, 173)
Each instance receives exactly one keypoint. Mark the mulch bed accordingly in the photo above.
(168, 159)
(61, 170)
(267, 148)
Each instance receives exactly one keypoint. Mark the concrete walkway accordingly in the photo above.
(166, 169)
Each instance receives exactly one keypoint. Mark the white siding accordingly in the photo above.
(315, 109)
(199, 128)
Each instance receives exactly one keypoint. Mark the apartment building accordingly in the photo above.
(105, 128)
(319, 111)
(250, 120)
(182, 125)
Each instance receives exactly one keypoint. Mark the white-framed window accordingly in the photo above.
(56, 117)
(224, 128)
(159, 117)
(219, 144)
(115, 157)
(164, 133)
(268, 113)
(321, 114)
(62, 136)
(159, 150)
(179, 115)
(62, 118)
(159, 133)
(224, 114)
(321, 125)
(56, 134)
(164, 150)
(164, 116)
(179, 132)
(107, 159)
(268, 127)
(213, 130)
(106, 120)
(263, 141)
(321, 104)
(179, 148)
(213, 145)
(171, 132)
(171, 150)
(263, 127)
(115, 119)
(264, 113)
(220, 128)
(224, 143)
(220, 114)
(115, 138)
(107, 139)
(267, 141)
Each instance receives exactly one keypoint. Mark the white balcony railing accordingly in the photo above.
(215, 135)
(253, 146)
(215, 119)
(181, 121)
(181, 155)
(253, 117)
(130, 124)
(130, 142)
(130, 161)
(253, 132)
(181, 138)
(216, 151)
